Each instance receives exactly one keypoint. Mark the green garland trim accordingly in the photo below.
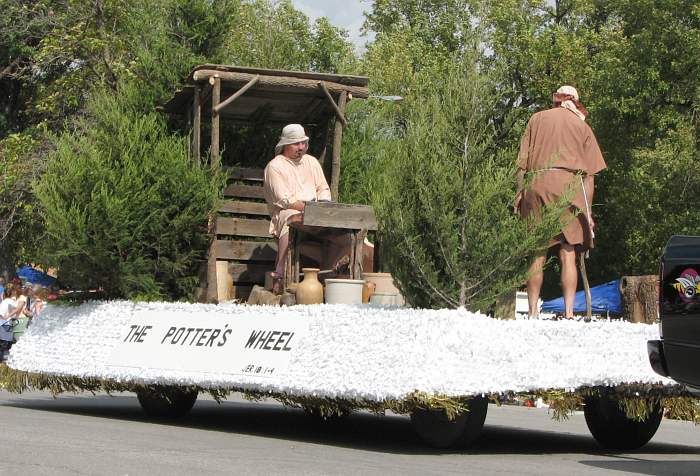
(638, 400)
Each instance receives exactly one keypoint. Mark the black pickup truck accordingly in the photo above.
(677, 353)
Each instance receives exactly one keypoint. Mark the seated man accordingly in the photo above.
(292, 178)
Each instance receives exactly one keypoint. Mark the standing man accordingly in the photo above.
(560, 151)
(291, 178)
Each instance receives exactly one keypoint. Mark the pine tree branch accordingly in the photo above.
(419, 268)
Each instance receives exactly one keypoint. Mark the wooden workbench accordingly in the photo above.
(331, 218)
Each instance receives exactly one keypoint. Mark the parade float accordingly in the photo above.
(442, 367)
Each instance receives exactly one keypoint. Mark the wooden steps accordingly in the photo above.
(243, 250)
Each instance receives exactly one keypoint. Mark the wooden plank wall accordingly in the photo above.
(243, 247)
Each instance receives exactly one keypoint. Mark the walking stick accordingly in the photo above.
(586, 287)
(582, 258)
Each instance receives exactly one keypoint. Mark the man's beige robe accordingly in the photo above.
(555, 146)
(288, 181)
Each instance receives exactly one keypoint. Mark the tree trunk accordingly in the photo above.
(7, 266)
(639, 298)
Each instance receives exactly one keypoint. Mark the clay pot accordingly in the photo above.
(385, 285)
(344, 291)
(367, 291)
(310, 290)
(384, 299)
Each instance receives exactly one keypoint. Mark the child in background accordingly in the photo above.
(39, 301)
(8, 308)
(8, 305)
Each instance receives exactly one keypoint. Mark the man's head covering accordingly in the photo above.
(291, 134)
(567, 97)
(568, 90)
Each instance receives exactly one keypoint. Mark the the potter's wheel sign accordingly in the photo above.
(253, 346)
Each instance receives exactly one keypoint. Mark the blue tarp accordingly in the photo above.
(604, 298)
(35, 276)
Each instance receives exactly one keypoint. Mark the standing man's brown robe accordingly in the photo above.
(555, 146)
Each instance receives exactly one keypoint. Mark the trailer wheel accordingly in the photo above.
(436, 430)
(611, 427)
(166, 402)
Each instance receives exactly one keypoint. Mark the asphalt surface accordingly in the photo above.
(109, 435)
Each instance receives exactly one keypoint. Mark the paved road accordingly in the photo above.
(106, 435)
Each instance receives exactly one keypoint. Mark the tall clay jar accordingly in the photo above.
(310, 290)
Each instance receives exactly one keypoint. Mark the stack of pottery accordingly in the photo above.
(385, 293)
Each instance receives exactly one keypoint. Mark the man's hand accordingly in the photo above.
(298, 205)
(518, 199)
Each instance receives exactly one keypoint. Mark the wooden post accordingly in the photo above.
(197, 124)
(353, 251)
(189, 114)
(212, 286)
(215, 81)
(288, 260)
(296, 255)
(212, 275)
(337, 143)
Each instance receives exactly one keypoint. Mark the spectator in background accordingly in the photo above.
(2, 288)
(25, 301)
(8, 307)
(9, 303)
(22, 301)
(39, 301)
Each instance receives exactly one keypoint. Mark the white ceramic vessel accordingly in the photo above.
(344, 291)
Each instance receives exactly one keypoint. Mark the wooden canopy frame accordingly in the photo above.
(242, 245)
(237, 93)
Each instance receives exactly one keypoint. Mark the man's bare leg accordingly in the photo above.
(534, 284)
(569, 277)
(280, 261)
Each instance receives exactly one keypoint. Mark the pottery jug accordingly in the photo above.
(367, 291)
(310, 290)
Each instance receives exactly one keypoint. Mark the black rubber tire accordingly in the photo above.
(436, 430)
(167, 402)
(611, 427)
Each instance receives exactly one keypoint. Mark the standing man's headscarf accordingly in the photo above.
(567, 97)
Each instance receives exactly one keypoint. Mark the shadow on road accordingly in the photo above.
(363, 431)
(640, 466)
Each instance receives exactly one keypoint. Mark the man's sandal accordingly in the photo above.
(277, 284)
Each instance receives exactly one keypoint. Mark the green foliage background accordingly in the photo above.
(632, 61)
(117, 203)
(633, 65)
(445, 195)
(122, 211)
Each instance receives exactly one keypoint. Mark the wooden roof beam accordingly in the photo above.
(338, 113)
(238, 93)
(279, 82)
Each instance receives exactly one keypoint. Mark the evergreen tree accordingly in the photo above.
(445, 192)
(124, 210)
